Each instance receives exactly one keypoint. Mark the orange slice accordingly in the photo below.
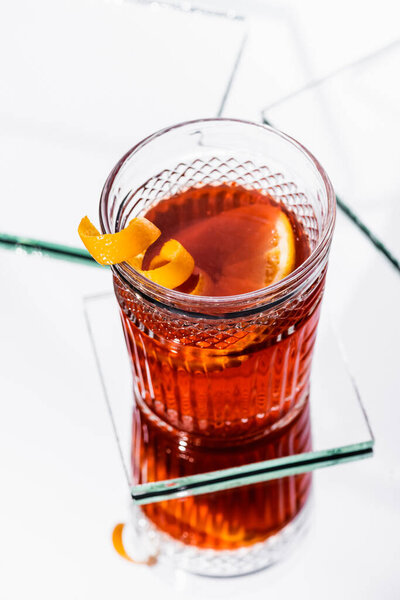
(113, 248)
(280, 260)
(261, 249)
(170, 268)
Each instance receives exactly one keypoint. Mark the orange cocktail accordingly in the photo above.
(224, 389)
(220, 309)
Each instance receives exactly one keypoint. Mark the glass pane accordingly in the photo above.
(73, 109)
(351, 122)
(340, 427)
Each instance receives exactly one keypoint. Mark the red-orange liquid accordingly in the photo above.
(228, 230)
(227, 519)
(215, 395)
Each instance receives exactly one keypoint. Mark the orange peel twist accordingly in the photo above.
(120, 548)
(113, 248)
(170, 268)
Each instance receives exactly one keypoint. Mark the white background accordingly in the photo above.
(81, 82)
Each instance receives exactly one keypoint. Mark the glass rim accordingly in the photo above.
(218, 307)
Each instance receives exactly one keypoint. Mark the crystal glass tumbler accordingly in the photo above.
(221, 381)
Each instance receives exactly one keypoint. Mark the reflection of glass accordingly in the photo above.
(228, 519)
(222, 381)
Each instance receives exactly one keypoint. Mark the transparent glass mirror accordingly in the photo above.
(340, 428)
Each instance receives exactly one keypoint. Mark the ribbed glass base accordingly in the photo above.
(224, 563)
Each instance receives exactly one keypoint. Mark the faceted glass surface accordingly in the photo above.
(341, 431)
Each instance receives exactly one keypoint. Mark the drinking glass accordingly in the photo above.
(221, 381)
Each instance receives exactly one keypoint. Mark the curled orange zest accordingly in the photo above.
(113, 248)
(170, 268)
(203, 284)
(119, 547)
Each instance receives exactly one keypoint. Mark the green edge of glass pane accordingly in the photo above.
(226, 479)
(42, 248)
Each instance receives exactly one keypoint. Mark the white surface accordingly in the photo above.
(84, 81)
(352, 123)
(63, 487)
(292, 43)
